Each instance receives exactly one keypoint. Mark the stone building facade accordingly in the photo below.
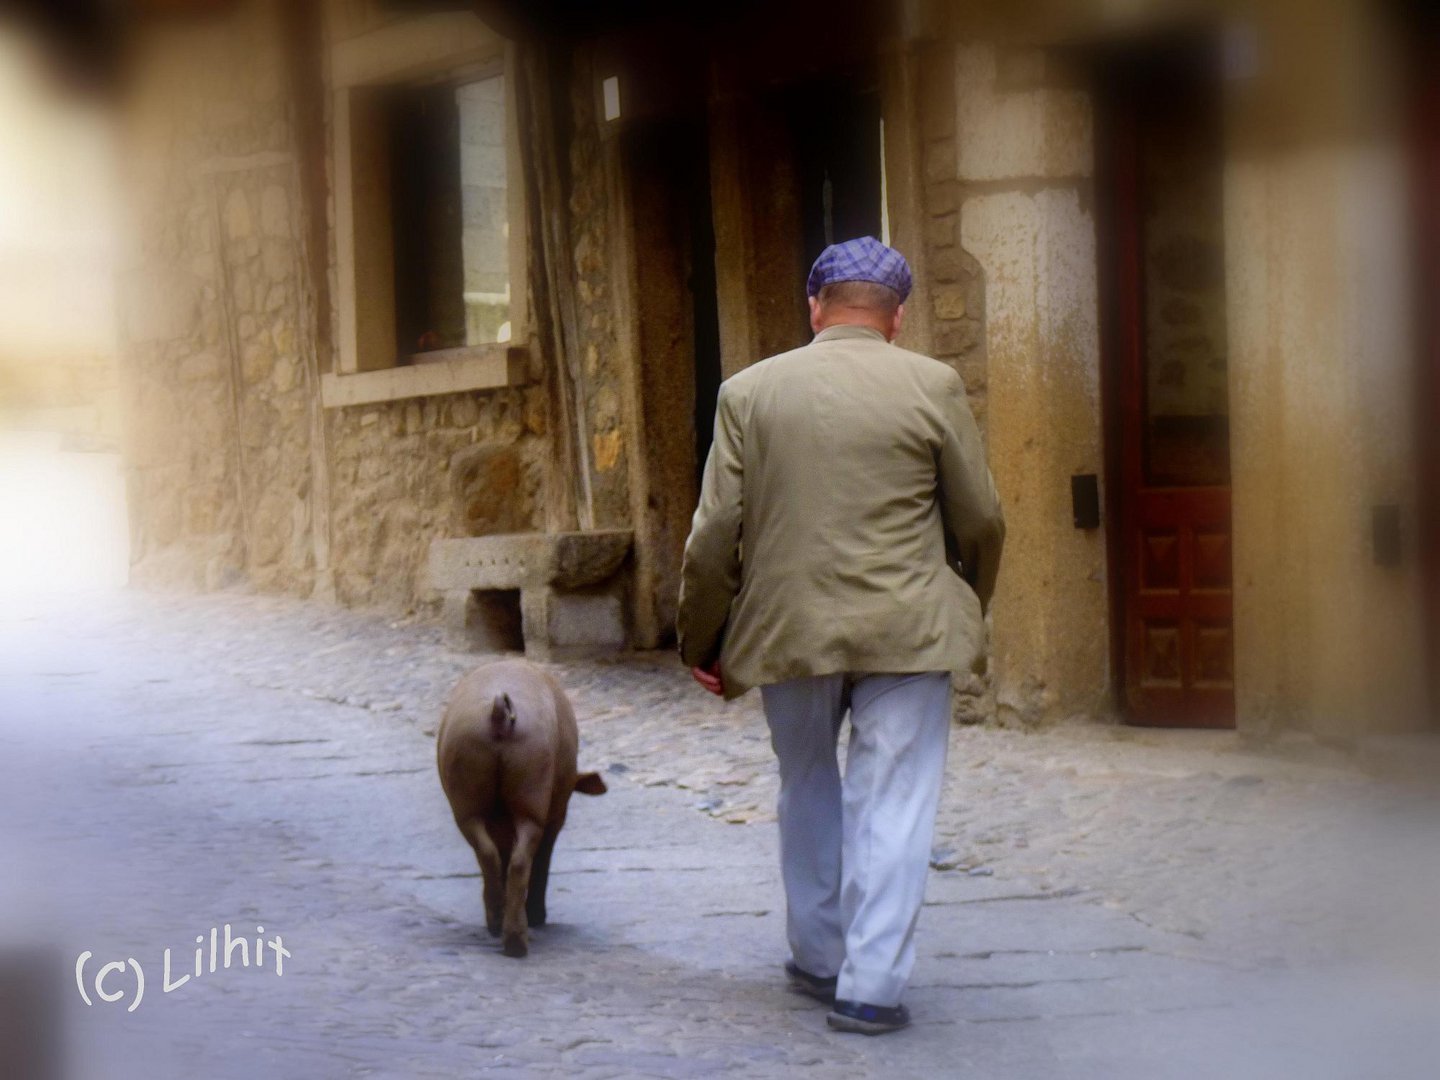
(1235, 299)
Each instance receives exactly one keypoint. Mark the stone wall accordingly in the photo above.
(954, 279)
(235, 475)
(404, 472)
(211, 323)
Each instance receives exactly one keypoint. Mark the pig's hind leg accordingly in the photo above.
(539, 879)
(528, 835)
(492, 870)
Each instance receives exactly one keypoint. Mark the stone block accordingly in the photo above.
(956, 336)
(941, 233)
(569, 586)
(586, 619)
(949, 301)
(947, 265)
(464, 413)
(584, 558)
(943, 196)
(940, 161)
(566, 560)
(487, 490)
(1014, 130)
(487, 562)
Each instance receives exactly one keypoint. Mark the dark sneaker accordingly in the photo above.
(865, 1019)
(814, 986)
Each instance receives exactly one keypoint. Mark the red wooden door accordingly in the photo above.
(1174, 522)
(1424, 33)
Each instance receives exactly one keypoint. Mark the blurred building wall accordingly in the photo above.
(1323, 374)
(57, 221)
(216, 340)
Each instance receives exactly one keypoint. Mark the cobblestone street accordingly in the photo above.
(1106, 903)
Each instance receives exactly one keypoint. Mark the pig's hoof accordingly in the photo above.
(515, 945)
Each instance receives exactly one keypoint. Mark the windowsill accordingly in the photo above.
(480, 367)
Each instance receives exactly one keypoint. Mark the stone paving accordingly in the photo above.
(172, 765)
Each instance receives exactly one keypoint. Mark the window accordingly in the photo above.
(429, 217)
(449, 216)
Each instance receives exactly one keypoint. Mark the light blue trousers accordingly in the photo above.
(854, 853)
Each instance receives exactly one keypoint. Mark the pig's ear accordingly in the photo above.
(590, 783)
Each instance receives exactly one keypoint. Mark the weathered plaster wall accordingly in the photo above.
(1324, 638)
(1321, 374)
(1022, 179)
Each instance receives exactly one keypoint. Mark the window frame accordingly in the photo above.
(441, 47)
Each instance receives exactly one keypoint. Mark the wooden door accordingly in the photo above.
(1423, 32)
(1168, 372)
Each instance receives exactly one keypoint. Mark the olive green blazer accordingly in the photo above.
(847, 519)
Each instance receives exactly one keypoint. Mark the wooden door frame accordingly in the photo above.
(1114, 136)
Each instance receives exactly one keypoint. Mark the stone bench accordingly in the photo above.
(548, 593)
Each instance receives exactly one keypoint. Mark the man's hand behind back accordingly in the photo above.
(710, 678)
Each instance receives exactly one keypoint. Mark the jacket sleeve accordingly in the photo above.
(710, 573)
(969, 505)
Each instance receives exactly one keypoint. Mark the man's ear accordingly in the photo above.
(590, 783)
(896, 321)
(815, 325)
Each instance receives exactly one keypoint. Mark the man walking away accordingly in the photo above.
(842, 557)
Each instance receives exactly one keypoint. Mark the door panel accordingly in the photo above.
(1172, 471)
(1179, 613)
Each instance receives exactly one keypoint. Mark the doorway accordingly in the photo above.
(677, 340)
(838, 163)
(1168, 431)
(1421, 26)
(823, 169)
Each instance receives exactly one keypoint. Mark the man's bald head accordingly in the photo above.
(857, 303)
(867, 296)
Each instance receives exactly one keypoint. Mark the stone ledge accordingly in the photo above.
(483, 367)
(565, 589)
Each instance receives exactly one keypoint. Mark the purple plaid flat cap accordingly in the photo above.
(865, 259)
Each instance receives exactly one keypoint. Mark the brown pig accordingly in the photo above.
(506, 751)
